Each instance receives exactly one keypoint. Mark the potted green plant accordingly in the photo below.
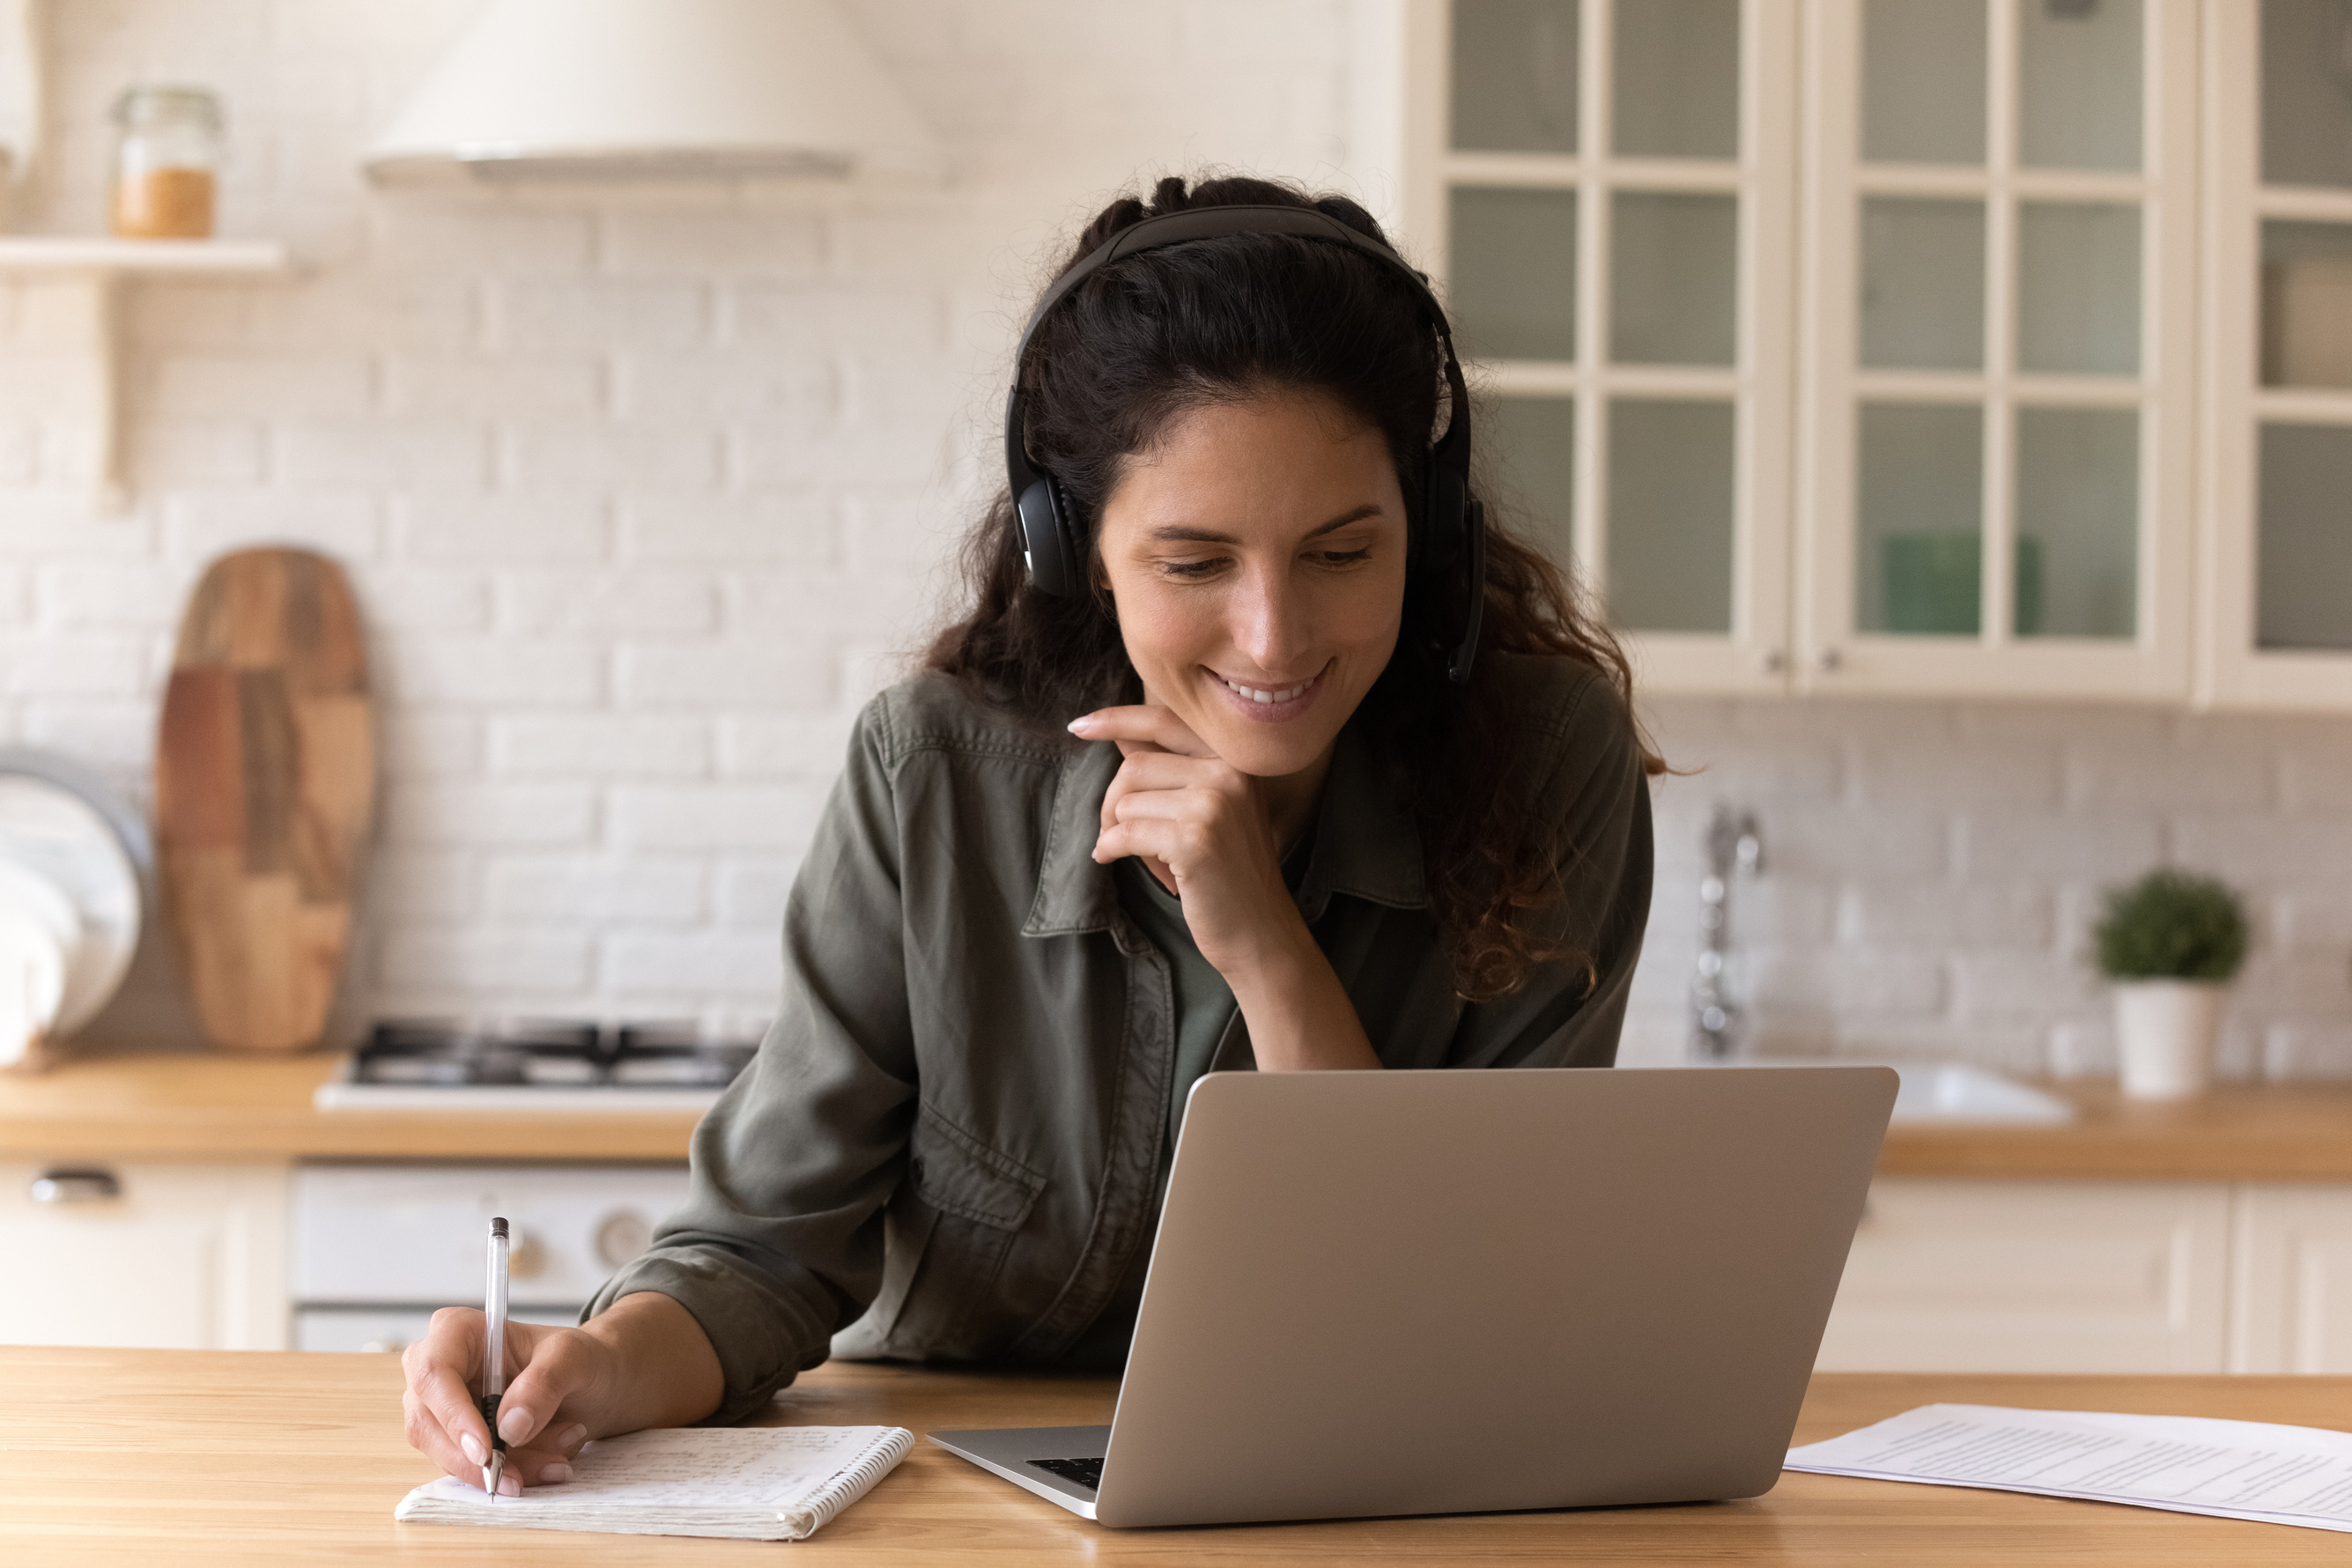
(2170, 943)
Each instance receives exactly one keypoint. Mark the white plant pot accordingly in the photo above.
(2165, 1031)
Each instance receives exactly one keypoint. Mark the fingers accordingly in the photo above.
(564, 1364)
(1140, 726)
(441, 1418)
(547, 1463)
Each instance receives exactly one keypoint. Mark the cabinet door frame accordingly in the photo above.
(1831, 655)
(1752, 658)
(2232, 671)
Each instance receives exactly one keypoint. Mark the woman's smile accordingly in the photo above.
(1269, 701)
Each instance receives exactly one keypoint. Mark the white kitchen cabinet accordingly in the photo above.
(2276, 615)
(2292, 1307)
(2057, 1277)
(184, 1258)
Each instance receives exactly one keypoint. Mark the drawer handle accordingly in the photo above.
(76, 1185)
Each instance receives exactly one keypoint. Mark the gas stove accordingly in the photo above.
(448, 1065)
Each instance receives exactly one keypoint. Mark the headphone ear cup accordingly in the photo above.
(1046, 538)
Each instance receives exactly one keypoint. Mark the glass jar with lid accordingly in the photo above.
(167, 158)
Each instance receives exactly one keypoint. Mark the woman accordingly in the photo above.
(1236, 566)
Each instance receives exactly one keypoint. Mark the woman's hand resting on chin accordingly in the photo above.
(1203, 828)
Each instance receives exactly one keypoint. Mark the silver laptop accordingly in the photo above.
(1379, 1293)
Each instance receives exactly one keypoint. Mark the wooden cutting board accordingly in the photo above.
(265, 794)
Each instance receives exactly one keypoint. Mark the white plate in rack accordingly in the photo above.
(64, 838)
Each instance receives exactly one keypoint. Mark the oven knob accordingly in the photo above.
(388, 1345)
(621, 1235)
(525, 1257)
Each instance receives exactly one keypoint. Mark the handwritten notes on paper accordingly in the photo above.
(757, 1483)
(2236, 1469)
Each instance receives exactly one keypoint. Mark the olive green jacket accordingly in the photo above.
(950, 1143)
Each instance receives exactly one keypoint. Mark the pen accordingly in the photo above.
(493, 1370)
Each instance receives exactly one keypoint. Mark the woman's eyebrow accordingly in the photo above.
(1176, 533)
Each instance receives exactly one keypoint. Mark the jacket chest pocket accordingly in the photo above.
(968, 1201)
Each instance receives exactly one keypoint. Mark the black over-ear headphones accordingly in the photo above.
(1453, 521)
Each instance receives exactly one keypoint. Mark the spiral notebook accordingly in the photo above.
(748, 1483)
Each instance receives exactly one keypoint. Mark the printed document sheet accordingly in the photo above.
(2237, 1469)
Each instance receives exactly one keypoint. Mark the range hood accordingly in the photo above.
(653, 90)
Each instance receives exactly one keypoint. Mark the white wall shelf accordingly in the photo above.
(79, 342)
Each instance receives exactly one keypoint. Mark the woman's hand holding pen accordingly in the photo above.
(643, 1363)
(1202, 827)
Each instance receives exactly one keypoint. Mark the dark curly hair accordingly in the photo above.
(1161, 334)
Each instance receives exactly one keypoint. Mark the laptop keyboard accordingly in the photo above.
(1087, 1473)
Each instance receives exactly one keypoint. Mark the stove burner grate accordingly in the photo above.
(421, 1053)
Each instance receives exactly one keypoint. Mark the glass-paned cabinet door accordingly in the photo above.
(1606, 189)
(2276, 616)
(1997, 318)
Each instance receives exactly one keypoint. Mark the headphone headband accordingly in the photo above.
(1449, 508)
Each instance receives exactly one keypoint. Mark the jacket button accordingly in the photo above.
(915, 1170)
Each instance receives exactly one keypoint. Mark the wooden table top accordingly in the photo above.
(193, 1456)
(198, 1106)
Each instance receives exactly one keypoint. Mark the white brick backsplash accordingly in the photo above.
(414, 600)
(606, 745)
(567, 456)
(641, 489)
(607, 601)
(785, 746)
(77, 665)
(727, 818)
(486, 962)
(2172, 776)
(2288, 849)
(726, 675)
(792, 391)
(698, 244)
(488, 815)
(1943, 916)
(552, 524)
(2000, 846)
(702, 961)
(427, 744)
(262, 386)
(203, 525)
(491, 670)
(798, 316)
(566, 891)
(589, 312)
(410, 883)
(493, 387)
(753, 893)
(444, 454)
(739, 531)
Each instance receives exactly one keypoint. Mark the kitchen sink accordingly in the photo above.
(1934, 1092)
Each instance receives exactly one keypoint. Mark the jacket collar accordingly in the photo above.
(1366, 845)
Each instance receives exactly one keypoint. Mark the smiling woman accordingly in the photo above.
(1354, 784)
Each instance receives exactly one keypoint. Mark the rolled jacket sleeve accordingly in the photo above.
(780, 1241)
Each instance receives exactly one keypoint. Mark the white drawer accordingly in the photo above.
(392, 1235)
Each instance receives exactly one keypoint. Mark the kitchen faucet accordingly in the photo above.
(1734, 850)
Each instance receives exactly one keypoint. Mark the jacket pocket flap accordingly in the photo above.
(957, 1173)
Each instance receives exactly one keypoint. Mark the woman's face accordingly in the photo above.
(1257, 557)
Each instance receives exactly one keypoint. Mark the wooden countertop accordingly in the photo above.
(2300, 1132)
(193, 1106)
(192, 1456)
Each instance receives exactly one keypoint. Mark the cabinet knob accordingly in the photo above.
(525, 1257)
(621, 1235)
(75, 1185)
(1831, 661)
(1773, 661)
